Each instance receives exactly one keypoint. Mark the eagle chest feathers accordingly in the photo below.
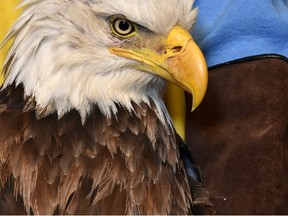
(83, 127)
(127, 164)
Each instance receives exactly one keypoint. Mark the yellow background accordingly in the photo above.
(8, 14)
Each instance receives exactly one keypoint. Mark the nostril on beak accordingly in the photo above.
(173, 50)
(177, 49)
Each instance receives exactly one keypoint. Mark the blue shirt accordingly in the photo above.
(227, 30)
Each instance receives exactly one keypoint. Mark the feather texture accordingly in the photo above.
(61, 166)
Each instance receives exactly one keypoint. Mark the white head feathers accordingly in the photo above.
(60, 53)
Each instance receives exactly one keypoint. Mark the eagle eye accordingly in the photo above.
(123, 27)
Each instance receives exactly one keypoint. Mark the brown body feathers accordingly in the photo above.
(124, 165)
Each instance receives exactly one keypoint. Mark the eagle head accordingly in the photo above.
(73, 54)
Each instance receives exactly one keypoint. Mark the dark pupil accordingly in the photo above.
(123, 25)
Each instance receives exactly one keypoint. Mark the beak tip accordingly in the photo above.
(193, 108)
(197, 101)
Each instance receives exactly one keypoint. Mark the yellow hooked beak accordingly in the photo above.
(180, 61)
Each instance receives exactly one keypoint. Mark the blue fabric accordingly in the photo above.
(230, 29)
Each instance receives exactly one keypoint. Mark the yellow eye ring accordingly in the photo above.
(123, 27)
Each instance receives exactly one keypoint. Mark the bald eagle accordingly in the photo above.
(83, 128)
